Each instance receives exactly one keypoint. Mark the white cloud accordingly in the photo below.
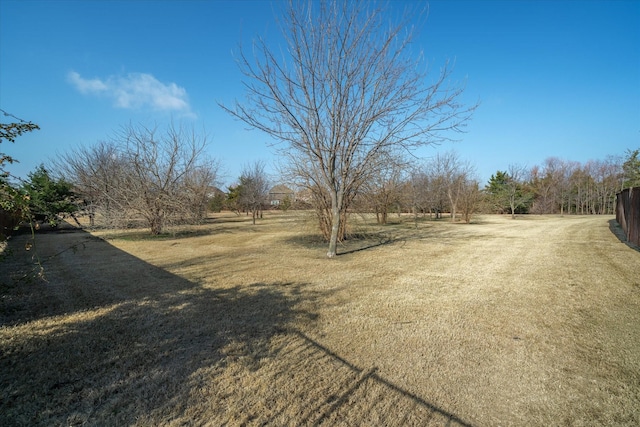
(134, 90)
(84, 85)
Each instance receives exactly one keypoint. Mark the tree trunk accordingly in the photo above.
(336, 217)
(92, 215)
(381, 215)
(335, 227)
(452, 203)
(156, 226)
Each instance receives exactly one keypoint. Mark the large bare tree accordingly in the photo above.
(348, 86)
(96, 172)
(168, 175)
(161, 175)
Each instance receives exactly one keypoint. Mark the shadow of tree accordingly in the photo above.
(132, 344)
(364, 397)
(401, 233)
(389, 234)
(124, 344)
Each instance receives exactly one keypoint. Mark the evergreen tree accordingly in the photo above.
(217, 202)
(496, 190)
(13, 203)
(507, 191)
(48, 199)
(233, 198)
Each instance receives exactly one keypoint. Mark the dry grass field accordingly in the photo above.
(526, 322)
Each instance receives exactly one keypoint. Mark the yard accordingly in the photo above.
(533, 321)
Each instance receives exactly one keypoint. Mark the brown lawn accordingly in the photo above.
(533, 321)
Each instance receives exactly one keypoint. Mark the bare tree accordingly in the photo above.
(543, 187)
(197, 189)
(553, 186)
(581, 183)
(437, 193)
(382, 190)
(162, 168)
(608, 176)
(470, 198)
(564, 186)
(515, 192)
(417, 192)
(344, 89)
(95, 172)
(162, 176)
(449, 176)
(254, 189)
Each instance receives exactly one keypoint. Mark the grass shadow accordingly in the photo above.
(356, 242)
(133, 344)
(359, 242)
(371, 235)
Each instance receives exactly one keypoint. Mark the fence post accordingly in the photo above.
(633, 216)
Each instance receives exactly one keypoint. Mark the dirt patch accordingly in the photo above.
(532, 321)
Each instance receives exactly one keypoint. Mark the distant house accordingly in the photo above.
(279, 193)
(215, 191)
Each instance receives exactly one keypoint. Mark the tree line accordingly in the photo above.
(449, 185)
(563, 186)
(349, 100)
(161, 176)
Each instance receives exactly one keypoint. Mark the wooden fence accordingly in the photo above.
(628, 213)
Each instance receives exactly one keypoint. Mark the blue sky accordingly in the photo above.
(554, 78)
